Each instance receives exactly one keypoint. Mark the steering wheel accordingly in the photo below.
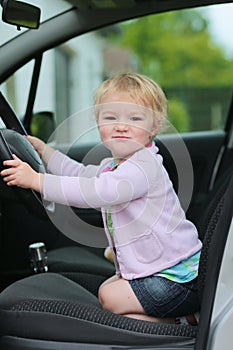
(12, 142)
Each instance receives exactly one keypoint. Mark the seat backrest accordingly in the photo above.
(218, 220)
(208, 207)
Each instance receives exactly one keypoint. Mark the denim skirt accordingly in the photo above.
(161, 297)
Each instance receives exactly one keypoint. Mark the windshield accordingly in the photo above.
(48, 9)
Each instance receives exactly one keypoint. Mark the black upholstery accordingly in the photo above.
(81, 265)
(213, 249)
(206, 210)
(51, 307)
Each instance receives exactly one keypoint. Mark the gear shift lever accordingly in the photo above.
(38, 257)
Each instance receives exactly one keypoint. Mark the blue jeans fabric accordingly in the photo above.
(161, 297)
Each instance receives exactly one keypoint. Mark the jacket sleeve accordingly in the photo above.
(61, 164)
(128, 182)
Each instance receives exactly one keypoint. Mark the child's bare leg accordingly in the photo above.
(116, 295)
(145, 317)
(110, 280)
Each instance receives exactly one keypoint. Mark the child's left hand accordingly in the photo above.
(20, 174)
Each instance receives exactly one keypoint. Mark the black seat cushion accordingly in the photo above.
(51, 307)
(81, 265)
(45, 286)
(77, 258)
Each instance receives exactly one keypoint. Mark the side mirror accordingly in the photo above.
(20, 14)
(43, 125)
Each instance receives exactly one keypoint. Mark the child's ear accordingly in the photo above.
(154, 131)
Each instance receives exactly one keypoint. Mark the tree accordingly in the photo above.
(178, 115)
(176, 49)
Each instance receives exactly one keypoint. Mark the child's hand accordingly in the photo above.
(44, 151)
(38, 144)
(21, 174)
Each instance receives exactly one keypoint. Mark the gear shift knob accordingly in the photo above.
(38, 257)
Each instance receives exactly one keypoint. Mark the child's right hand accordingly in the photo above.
(20, 174)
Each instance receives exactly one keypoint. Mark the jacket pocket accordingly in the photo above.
(147, 248)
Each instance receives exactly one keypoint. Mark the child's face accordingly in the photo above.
(124, 125)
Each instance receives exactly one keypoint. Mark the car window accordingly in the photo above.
(16, 88)
(187, 52)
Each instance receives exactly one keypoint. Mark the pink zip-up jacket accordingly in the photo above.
(151, 232)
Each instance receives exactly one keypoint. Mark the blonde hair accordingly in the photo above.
(144, 90)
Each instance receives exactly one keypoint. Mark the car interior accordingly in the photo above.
(58, 308)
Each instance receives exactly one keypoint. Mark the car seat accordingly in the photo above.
(49, 311)
(81, 265)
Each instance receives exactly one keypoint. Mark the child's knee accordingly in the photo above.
(100, 295)
(105, 299)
